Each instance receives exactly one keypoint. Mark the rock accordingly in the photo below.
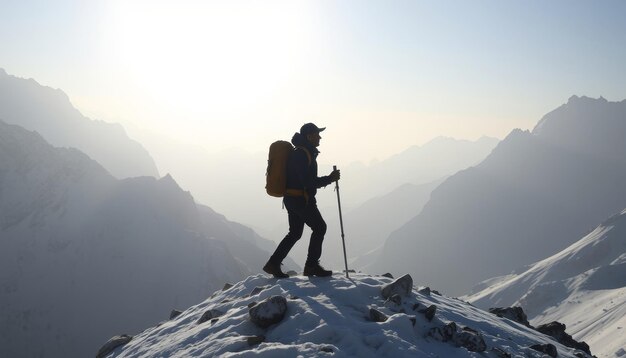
(513, 313)
(377, 316)
(397, 299)
(175, 313)
(469, 329)
(413, 321)
(209, 315)
(416, 306)
(436, 292)
(113, 343)
(557, 331)
(257, 290)
(251, 304)
(424, 291)
(227, 286)
(449, 331)
(548, 349)
(470, 340)
(292, 273)
(501, 353)
(387, 275)
(214, 320)
(327, 349)
(429, 313)
(437, 334)
(269, 312)
(401, 286)
(254, 340)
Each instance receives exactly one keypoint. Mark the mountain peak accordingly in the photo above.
(327, 316)
(585, 100)
(584, 125)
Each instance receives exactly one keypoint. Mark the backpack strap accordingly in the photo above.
(308, 154)
(301, 192)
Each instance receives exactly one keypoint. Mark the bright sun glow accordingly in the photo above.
(207, 59)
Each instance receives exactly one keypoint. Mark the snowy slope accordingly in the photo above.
(48, 111)
(536, 193)
(84, 255)
(328, 317)
(583, 286)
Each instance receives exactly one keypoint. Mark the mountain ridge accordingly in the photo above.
(500, 204)
(72, 237)
(582, 285)
(49, 111)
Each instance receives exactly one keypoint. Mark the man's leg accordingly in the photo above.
(313, 219)
(296, 226)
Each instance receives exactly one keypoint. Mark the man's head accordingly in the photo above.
(312, 133)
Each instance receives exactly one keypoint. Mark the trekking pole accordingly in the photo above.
(343, 240)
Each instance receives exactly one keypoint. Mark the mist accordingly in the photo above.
(481, 150)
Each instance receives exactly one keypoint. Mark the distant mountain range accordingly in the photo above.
(84, 255)
(583, 286)
(381, 194)
(531, 197)
(49, 112)
(439, 158)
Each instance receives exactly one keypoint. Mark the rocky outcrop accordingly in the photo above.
(513, 313)
(269, 312)
(548, 349)
(556, 330)
(113, 343)
(210, 315)
(175, 313)
(402, 286)
(468, 338)
(377, 316)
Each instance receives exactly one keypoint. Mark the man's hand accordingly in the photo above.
(335, 175)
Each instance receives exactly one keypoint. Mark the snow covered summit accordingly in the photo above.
(336, 317)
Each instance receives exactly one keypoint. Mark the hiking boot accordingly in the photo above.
(274, 269)
(316, 270)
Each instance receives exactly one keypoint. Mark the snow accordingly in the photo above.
(583, 286)
(328, 317)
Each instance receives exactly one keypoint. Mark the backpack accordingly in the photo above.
(276, 175)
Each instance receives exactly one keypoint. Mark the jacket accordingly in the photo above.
(300, 174)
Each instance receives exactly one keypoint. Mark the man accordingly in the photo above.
(302, 185)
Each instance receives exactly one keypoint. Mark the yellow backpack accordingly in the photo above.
(276, 175)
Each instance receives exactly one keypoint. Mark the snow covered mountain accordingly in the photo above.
(49, 112)
(531, 197)
(583, 286)
(334, 317)
(84, 255)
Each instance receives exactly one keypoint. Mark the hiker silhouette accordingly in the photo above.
(299, 199)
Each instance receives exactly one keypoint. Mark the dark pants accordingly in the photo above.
(301, 213)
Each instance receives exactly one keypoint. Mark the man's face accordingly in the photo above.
(314, 138)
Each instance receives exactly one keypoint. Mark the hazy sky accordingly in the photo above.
(381, 75)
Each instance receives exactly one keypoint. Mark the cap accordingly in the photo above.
(310, 128)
